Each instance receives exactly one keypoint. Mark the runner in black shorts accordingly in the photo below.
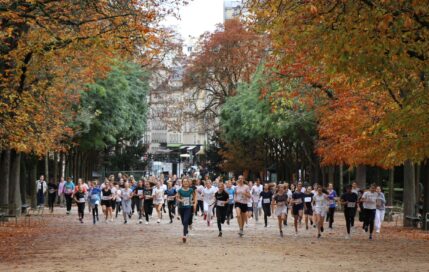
(297, 205)
(267, 197)
(242, 196)
(106, 201)
(308, 206)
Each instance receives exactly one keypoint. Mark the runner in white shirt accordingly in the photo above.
(320, 205)
(200, 201)
(126, 195)
(158, 199)
(209, 201)
(369, 199)
(255, 192)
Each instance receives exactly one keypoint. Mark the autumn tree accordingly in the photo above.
(223, 59)
(370, 62)
(50, 49)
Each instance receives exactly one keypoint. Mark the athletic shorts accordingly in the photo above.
(296, 209)
(320, 211)
(107, 203)
(243, 207)
(308, 211)
(280, 210)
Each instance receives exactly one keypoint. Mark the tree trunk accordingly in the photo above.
(391, 186)
(47, 167)
(14, 180)
(425, 181)
(55, 176)
(418, 190)
(361, 176)
(4, 177)
(331, 172)
(341, 178)
(23, 180)
(32, 182)
(409, 195)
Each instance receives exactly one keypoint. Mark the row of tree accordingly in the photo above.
(333, 84)
(73, 81)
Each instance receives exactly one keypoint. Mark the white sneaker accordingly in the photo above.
(158, 221)
(348, 237)
(377, 231)
(146, 223)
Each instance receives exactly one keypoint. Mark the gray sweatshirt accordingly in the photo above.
(381, 201)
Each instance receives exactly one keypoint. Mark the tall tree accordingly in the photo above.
(223, 59)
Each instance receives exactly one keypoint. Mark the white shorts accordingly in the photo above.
(158, 202)
(280, 210)
(320, 211)
(208, 208)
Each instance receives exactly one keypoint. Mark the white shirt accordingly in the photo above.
(255, 192)
(199, 190)
(320, 201)
(126, 194)
(40, 184)
(371, 200)
(158, 194)
(208, 194)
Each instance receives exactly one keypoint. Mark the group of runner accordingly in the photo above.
(184, 198)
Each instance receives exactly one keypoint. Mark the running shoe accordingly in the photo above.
(125, 221)
(220, 234)
(370, 237)
(319, 235)
(241, 233)
(184, 239)
(147, 223)
(140, 221)
(281, 233)
(158, 221)
(205, 216)
(348, 237)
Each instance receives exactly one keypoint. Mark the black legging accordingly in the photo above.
(171, 204)
(51, 200)
(200, 207)
(95, 212)
(138, 202)
(148, 207)
(68, 201)
(134, 201)
(349, 214)
(330, 216)
(221, 216)
(230, 211)
(81, 209)
(118, 208)
(369, 216)
(267, 212)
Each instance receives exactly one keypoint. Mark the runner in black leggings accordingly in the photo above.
(79, 197)
(349, 200)
(148, 201)
(267, 197)
(171, 200)
(221, 197)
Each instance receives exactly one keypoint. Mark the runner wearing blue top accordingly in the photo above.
(186, 197)
(230, 206)
(68, 193)
(332, 196)
(297, 205)
(94, 195)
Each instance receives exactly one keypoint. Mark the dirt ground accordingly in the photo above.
(61, 243)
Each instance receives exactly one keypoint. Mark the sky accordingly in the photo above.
(198, 17)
